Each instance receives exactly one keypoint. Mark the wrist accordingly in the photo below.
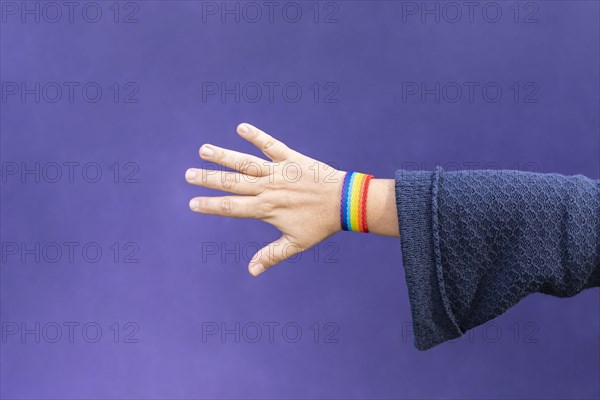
(379, 208)
(382, 214)
(353, 202)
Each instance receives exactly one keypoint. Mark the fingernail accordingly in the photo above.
(194, 204)
(206, 151)
(243, 129)
(190, 174)
(257, 269)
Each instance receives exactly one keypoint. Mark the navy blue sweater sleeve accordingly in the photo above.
(474, 243)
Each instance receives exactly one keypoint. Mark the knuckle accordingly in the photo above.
(241, 165)
(244, 165)
(266, 208)
(222, 156)
(226, 206)
(228, 181)
(249, 167)
(279, 184)
(292, 248)
(270, 142)
(274, 256)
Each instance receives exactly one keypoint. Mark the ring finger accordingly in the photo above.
(231, 182)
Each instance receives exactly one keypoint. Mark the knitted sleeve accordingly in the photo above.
(474, 243)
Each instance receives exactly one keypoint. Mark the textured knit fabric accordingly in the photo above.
(474, 243)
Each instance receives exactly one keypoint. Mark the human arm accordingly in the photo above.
(473, 243)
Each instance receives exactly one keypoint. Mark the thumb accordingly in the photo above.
(273, 253)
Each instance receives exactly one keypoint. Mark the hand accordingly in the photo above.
(298, 195)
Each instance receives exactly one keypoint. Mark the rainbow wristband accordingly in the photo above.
(353, 207)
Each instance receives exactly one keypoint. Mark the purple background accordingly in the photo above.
(542, 348)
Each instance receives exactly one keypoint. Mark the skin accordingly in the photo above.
(297, 194)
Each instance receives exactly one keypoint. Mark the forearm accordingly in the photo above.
(382, 214)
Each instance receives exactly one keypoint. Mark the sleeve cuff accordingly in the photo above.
(416, 202)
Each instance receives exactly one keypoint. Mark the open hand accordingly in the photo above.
(298, 195)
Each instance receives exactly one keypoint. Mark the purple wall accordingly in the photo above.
(112, 288)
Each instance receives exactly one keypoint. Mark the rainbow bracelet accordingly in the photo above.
(353, 207)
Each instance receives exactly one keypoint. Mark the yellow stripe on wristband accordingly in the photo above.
(357, 184)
